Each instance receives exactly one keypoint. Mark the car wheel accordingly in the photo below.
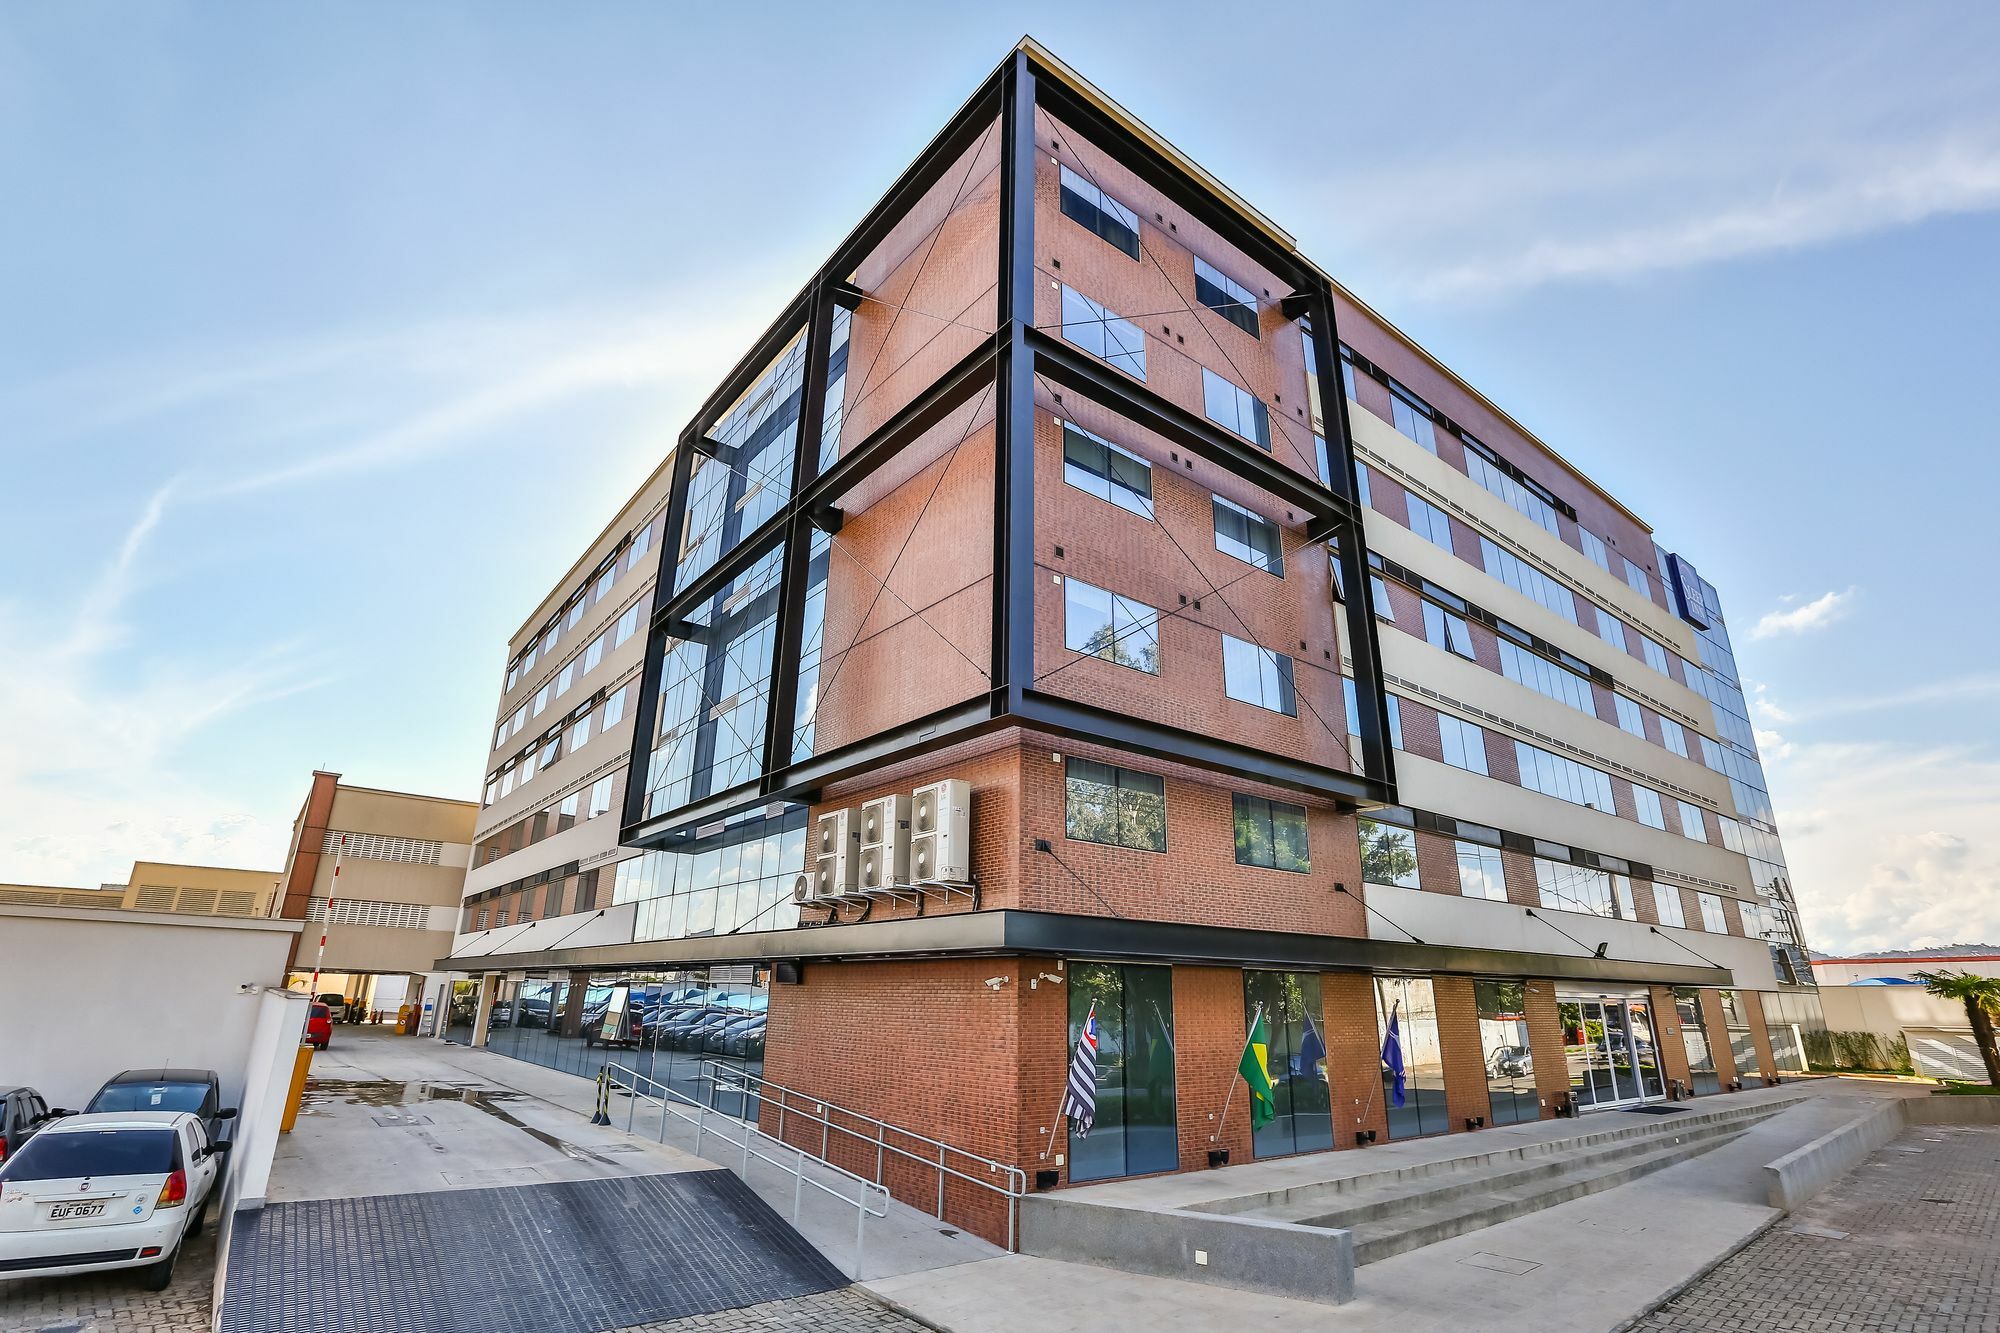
(159, 1274)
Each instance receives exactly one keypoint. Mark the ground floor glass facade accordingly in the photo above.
(1504, 1048)
(1297, 1058)
(1406, 1009)
(1137, 1104)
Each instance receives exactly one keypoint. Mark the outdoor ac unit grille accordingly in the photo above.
(383, 847)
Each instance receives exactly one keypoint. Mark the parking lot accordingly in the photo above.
(114, 1302)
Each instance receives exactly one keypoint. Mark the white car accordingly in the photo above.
(118, 1190)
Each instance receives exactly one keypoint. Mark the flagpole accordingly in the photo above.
(1223, 1123)
(1062, 1097)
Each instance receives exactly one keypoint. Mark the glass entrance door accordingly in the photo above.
(1608, 1041)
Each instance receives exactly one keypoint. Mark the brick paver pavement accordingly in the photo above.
(841, 1311)
(1920, 1251)
(115, 1301)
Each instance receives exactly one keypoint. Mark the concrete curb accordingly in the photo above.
(896, 1307)
(1681, 1288)
(1803, 1172)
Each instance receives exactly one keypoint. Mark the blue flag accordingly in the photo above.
(1392, 1053)
(1311, 1050)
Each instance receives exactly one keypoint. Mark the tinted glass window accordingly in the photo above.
(107, 1152)
(151, 1097)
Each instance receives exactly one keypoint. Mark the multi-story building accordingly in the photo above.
(393, 905)
(1078, 607)
(163, 886)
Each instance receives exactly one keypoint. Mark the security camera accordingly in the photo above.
(995, 983)
(1050, 976)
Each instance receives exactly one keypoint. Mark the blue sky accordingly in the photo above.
(328, 335)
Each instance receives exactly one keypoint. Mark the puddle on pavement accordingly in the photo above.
(383, 1092)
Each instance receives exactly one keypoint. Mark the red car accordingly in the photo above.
(319, 1025)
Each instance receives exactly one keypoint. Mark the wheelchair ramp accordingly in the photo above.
(575, 1256)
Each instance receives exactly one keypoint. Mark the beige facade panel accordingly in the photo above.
(387, 881)
(374, 948)
(402, 815)
(1429, 785)
(162, 886)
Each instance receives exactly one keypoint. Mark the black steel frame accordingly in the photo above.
(1008, 363)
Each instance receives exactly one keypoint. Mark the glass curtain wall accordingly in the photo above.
(1694, 1036)
(1135, 1131)
(1297, 1060)
(1406, 1008)
(1510, 1063)
(1742, 1043)
(663, 1025)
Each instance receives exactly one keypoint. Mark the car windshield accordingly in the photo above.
(151, 1097)
(93, 1152)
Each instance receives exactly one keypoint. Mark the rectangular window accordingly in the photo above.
(528, 658)
(1225, 296)
(1464, 744)
(1412, 416)
(1656, 656)
(565, 678)
(1101, 468)
(600, 798)
(642, 541)
(1667, 906)
(549, 639)
(1115, 628)
(500, 736)
(1361, 485)
(1388, 854)
(575, 612)
(593, 654)
(1096, 211)
(1137, 1113)
(1610, 629)
(1249, 537)
(1648, 802)
(1271, 834)
(1564, 779)
(519, 720)
(1347, 377)
(513, 673)
(1573, 888)
(1115, 806)
(541, 702)
(1445, 630)
(492, 791)
(1255, 675)
(527, 768)
(1294, 1022)
(1428, 521)
(614, 708)
(1692, 824)
(1713, 919)
(1480, 873)
(1352, 698)
(628, 625)
(1732, 833)
(1096, 330)
(1674, 736)
(1544, 677)
(1379, 591)
(1233, 409)
(1525, 579)
(579, 733)
(1637, 578)
(1631, 717)
(1593, 546)
(1502, 483)
(1511, 1094)
(1406, 1024)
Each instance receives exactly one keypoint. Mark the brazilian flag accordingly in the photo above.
(1256, 1071)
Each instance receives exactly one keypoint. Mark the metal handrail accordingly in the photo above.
(703, 1121)
(1013, 1180)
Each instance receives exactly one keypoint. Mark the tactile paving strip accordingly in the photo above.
(566, 1257)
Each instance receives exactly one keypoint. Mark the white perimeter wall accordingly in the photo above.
(89, 993)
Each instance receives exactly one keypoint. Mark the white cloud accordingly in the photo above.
(1890, 846)
(86, 766)
(1805, 617)
(1893, 188)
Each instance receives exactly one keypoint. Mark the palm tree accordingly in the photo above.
(1981, 998)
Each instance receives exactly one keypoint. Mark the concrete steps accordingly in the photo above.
(1390, 1212)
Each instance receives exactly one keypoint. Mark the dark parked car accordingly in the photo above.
(747, 1042)
(22, 1113)
(718, 1039)
(165, 1090)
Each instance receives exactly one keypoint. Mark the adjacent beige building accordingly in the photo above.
(402, 859)
(163, 886)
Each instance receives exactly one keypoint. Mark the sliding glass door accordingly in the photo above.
(1609, 1043)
